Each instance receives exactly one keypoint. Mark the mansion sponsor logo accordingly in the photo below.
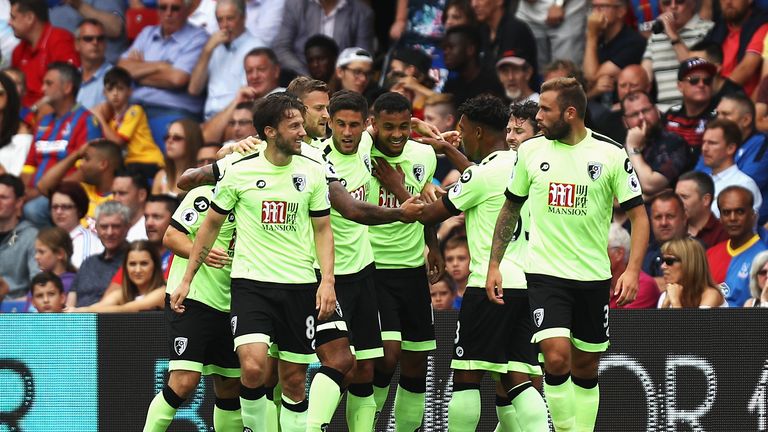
(279, 215)
(567, 199)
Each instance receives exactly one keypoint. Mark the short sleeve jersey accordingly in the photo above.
(479, 193)
(350, 239)
(310, 151)
(273, 205)
(133, 127)
(397, 244)
(570, 191)
(210, 285)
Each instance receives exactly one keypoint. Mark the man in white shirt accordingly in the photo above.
(131, 190)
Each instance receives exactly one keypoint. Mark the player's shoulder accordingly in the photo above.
(418, 150)
(604, 140)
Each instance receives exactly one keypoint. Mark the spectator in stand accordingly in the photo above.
(461, 47)
(456, 253)
(142, 285)
(354, 69)
(501, 31)
(514, 69)
(695, 78)
(618, 254)
(697, 191)
(459, 12)
(27, 116)
(47, 292)
(558, 26)
(15, 136)
(658, 156)
(41, 44)
(349, 23)
(69, 205)
(207, 154)
(683, 28)
(112, 223)
(730, 260)
(721, 142)
(262, 75)
(110, 14)
(321, 53)
(90, 45)
(59, 134)
(443, 294)
(17, 239)
(611, 45)
(240, 126)
(409, 71)
(750, 157)
(687, 281)
(561, 69)
(761, 104)
(263, 18)
(183, 141)
(127, 125)
(667, 223)
(741, 32)
(222, 55)
(53, 253)
(99, 161)
(758, 281)
(610, 123)
(130, 189)
(440, 112)
(161, 60)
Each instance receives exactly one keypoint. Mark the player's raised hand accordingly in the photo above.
(325, 300)
(217, 258)
(626, 288)
(431, 193)
(178, 295)
(424, 129)
(493, 287)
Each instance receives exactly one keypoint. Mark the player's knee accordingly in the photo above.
(414, 363)
(183, 383)
(585, 366)
(226, 388)
(557, 363)
(341, 360)
(252, 372)
(293, 385)
(362, 372)
(388, 363)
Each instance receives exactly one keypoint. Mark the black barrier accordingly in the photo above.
(697, 370)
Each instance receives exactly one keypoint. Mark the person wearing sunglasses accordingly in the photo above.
(90, 44)
(183, 140)
(694, 80)
(758, 281)
(688, 283)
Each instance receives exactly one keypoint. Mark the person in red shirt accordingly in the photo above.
(618, 252)
(41, 44)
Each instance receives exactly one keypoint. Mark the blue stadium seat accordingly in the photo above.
(14, 306)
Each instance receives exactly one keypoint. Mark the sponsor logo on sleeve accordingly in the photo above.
(201, 204)
(467, 176)
(189, 216)
(455, 190)
(633, 183)
(628, 166)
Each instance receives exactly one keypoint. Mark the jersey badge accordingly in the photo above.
(343, 182)
(455, 190)
(189, 216)
(725, 289)
(231, 217)
(338, 310)
(300, 181)
(544, 166)
(419, 171)
(594, 169)
(261, 184)
(467, 176)
(201, 204)
(538, 316)
(628, 166)
(633, 183)
(180, 345)
(233, 323)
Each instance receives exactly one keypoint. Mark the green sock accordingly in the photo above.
(293, 415)
(277, 401)
(271, 419)
(409, 404)
(507, 416)
(253, 407)
(324, 395)
(381, 384)
(558, 389)
(361, 408)
(530, 409)
(161, 410)
(464, 408)
(227, 416)
(587, 395)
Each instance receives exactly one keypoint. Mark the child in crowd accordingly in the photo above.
(127, 125)
(456, 254)
(53, 253)
(443, 294)
(47, 293)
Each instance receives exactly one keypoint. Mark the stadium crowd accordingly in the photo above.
(107, 107)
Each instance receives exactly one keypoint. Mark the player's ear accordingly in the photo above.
(270, 132)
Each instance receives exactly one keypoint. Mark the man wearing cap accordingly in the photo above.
(514, 69)
(694, 80)
(610, 46)
(353, 69)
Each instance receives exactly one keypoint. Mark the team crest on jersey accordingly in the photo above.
(189, 216)
(419, 171)
(233, 323)
(633, 183)
(338, 309)
(201, 204)
(544, 166)
(300, 181)
(231, 217)
(467, 176)
(538, 317)
(261, 184)
(180, 345)
(594, 169)
(67, 129)
(725, 289)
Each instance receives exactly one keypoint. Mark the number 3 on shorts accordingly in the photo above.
(605, 323)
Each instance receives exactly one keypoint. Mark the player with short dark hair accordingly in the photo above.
(570, 177)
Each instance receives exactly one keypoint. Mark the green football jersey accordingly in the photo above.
(399, 245)
(479, 193)
(310, 151)
(210, 285)
(351, 242)
(570, 191)
(273, 205)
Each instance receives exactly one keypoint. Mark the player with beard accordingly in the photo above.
(280, 199)
(570, 177)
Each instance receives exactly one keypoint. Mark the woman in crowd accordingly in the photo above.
(758, 277)
(458, 12)
(53, 253)
(143, 286)
(69, 205)
(183, 141)
(687, 277)
(15, 137)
